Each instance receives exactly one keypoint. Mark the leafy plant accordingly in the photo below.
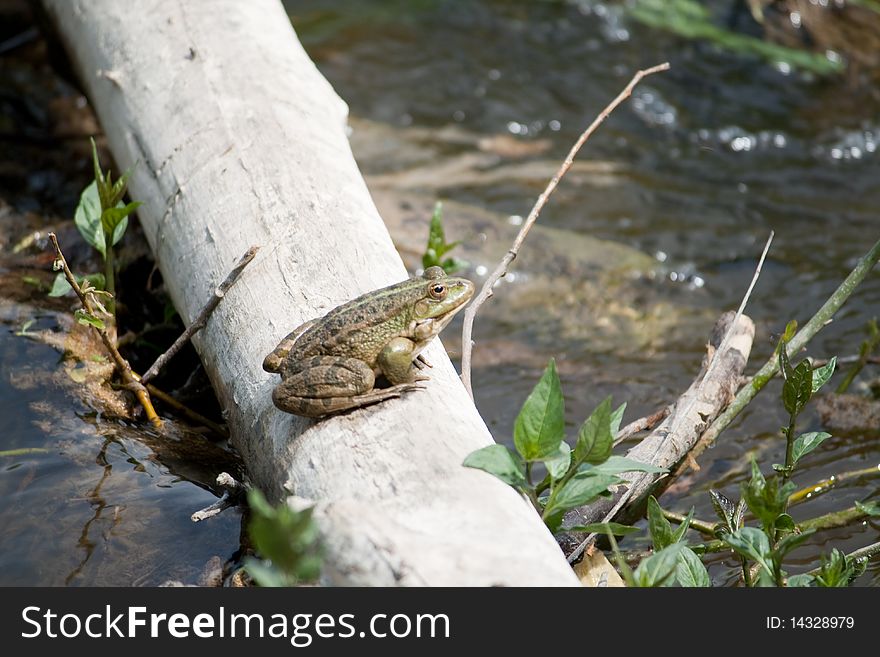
(286, 539)
(438, 247)
(575, 477)
(101, 218)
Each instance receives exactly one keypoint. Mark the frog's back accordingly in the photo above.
(360, 328)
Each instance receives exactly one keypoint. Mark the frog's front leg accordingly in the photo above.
(396, 362)
(324, 385)
(273, 362)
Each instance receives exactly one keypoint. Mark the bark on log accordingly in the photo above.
(692, 413)
(239, 140)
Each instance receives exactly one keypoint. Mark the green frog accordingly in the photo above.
(329, 365)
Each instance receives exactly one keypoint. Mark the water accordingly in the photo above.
(713, 155)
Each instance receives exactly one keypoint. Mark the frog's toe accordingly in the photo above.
(421, 362)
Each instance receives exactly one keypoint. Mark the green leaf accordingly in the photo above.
(869, 508)
(836, 571)
(118, 188)
(287, 537)
(582, 488)
(87, 319)
(659, 526)
(784, 523)
(806, 443)
(822, 374)
(437, 246)
(114, 220)
(782, 348)
(690, 571)
(681, 530)
(264, 574)
(557, 465)
(60, 286)
(501, 462)
(618, 464)
(88, 218)
(724, 509)
(798, 388)
(800, 581)
(617, 418)
(657, 569)
(753, 544)
(604, 528)
(540, 425)
(595, 439)
(789, 542)
(765, 497)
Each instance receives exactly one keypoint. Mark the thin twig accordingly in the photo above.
(769, 369)
(501, 269)
(714, 359)
(233, 491)
(642, 424)
(122, 365)
(202, 318)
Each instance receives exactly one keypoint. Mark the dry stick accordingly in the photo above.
(122, 365)
(769, 369)
(714, 360)
(501, 270)
(233, 490)
(202, 318)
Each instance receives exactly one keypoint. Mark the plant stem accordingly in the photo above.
(789, 454)
(810, 329)
(110, 276)
(865, 351)
(705, 528)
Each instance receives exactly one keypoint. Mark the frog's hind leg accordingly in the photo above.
(272, 362)
(324, 385)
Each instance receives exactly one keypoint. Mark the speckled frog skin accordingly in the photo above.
(329, 365)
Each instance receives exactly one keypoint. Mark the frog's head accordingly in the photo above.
(442, 297)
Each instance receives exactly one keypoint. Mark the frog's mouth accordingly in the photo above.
(431, 326)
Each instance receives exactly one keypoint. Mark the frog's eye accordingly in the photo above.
(437, 291)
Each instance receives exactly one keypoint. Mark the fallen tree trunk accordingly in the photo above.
(239, 141)
(670, 442)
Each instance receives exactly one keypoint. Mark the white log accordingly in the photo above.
(239, 140)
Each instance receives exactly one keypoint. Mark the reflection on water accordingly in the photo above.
(706, 160)
(99, 507)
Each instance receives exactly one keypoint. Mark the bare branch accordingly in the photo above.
(502, 268)
(202, 318)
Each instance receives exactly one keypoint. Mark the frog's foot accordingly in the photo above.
(421, 362)
(381, 394)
